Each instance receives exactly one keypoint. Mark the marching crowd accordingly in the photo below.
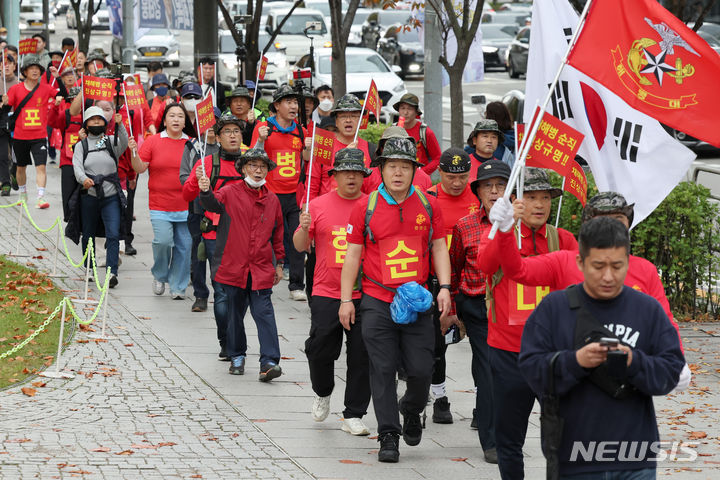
(376, 240)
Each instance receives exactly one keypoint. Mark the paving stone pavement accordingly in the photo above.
(154, 402)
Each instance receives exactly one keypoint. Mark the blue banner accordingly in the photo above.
(174, 14)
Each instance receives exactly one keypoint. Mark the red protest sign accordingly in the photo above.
(554, 146)
(134, 96)
(95, 88)
(323, 147)
(205, 115)
(576, 182)
(68, 61)
(27, 45)
(372, 100)
(263, 68)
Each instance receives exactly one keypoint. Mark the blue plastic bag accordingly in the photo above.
(410, 298)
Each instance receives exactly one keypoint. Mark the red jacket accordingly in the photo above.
(252, 226)
(57, 118)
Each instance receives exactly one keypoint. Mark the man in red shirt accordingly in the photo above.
(427, 146)
(484, 140)
(456, 200)
(400, 227)
(510, 304)
(284, 140)
(30, 134)
(325, 223)
(251, 226)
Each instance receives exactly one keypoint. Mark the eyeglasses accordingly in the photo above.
(230, 133)
(500, 186)
(258, 167)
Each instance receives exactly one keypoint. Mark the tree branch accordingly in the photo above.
(280, 25)
(701, 17)
(230, 23)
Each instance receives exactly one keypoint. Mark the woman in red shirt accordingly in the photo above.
(160, 156)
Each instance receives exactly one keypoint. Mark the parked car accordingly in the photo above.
(517, 53)
(373, 26)
(363, 65)
(496, 38)
(707, 27)
(292, 34)
(31, 18)
(99, 21)
(513, 17)
(60, 7)
(401, 46)
(277, 68)
(239, 7)
(157, 45)
(712, 40)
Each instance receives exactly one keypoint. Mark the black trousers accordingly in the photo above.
(323, 348)
(513, 404)
(68, 184)
(198, 270)
(389, 345)
(310, 272)
(295, 259)
(129, 212)
(473, 313)
(5, 158)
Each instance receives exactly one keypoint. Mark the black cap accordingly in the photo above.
(67, 41)
(455, 160)
(490, 169)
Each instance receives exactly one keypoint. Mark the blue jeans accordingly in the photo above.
(93, 209)
(171, 252)
(220, 300)
(262, 312)
(642, 474)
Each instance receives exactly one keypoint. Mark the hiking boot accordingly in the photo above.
(320, 408)
(269, 371)
(200, 305)
(237, 365)
(298, 295)
(158, 288)
(113, 281)
(441, 411)
(355, 426)
(491, 455)
(42, 203)
(389, 448)
(5, 190)
(130, 250)
(412, 426)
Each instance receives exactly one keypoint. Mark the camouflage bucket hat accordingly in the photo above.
(104, 73)
(283, 91)
(455, 160)
(73, 92)
(349, 160)
(31, 59)
(537, 179)
(347, 103)
(254, 154)
(228, 119)
(95, 55)
(411, 99)
(607, 203)
(240, 92)
(399, 149)
(307, 93)
(392, 131)
(486, 126)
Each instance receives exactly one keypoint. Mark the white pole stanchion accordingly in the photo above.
(19, 234)
(85, 300)
(54, 273)
(57, 373)
(101, 335)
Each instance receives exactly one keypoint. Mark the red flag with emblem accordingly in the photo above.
(653, 62)
(372, 100)
(263, 68)
(27, 45)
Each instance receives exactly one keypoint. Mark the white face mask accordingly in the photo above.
(190, 104)
(325, 105)
(253, 183)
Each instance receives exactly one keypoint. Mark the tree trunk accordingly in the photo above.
(339, 71)
(340, 31)
(457, 115)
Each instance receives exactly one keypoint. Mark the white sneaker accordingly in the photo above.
(354, 426)
(158, 287)
(298, 295)
(321, 408)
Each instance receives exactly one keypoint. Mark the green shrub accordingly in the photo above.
(373, 132)
(571, 212)
(262, 105)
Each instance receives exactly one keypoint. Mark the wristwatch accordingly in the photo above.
(445, 285)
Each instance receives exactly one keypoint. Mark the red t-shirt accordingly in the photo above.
(400, 252)
(285, 149)
(454, 208)
(475, 162)
(330, 214)
(422, 181)
(322, 183)
(433, 148)
(33, 121)
(164, 155)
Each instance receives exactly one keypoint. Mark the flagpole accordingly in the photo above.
(197, 125)
(520, 163)
(362, 112)
(257, 80)
(127, 109)
(309, 176)
(82, 91)
(557, 219)
(61, 66)
(4, 80)
(214, 85)
(517, 185)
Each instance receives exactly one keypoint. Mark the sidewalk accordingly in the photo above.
(156, 403)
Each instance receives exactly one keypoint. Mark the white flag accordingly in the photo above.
(628, 151)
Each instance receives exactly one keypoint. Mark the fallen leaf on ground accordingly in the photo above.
(38, 384)
(166, 444)
(30, 392)
(350, 462)
(287, 358)
(125, 452)
(101, 449)
(697, 435)
(41, 249)
(129, 345)
(459, 459)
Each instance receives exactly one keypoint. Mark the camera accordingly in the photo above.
(117, 69)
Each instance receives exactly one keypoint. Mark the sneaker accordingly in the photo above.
(177, 296)
(473, 422)
(298, 295)
(130, 250)
(286, 274)
(441, 411)
(389, 448)
(5, 190)
(158, 288)
(491, 456)
(354, 426)
(200, 305)
(223, 356)
(269, 371)
(237, 365)
(13, 182)
(320, 408)
(412, 426)
(113, 281)
(42, 203)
